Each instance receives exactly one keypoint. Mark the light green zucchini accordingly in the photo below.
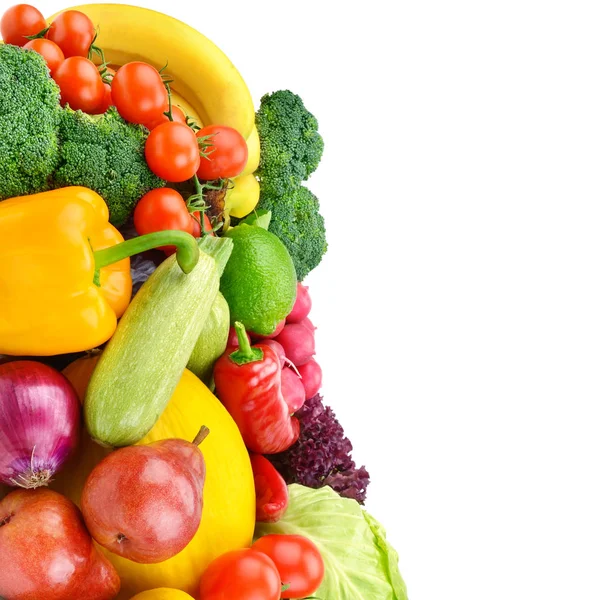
(144, 360)
(212, 341)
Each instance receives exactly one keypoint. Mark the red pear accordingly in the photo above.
(145, 502)
(48, 553)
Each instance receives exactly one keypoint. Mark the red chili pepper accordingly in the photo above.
(248, 383)
(271, 490)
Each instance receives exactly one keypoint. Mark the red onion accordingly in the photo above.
(39, 423)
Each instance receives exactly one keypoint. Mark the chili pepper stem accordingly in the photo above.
(245, 353)
(201, 435)
(187, 248)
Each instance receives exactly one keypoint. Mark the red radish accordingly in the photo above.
(312, 376)
(39, 423)
(302, 305)
(278, 350)
(255, 337)
(298, 341)
(292, 389)
(308, 324)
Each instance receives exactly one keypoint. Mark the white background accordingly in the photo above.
(458, 306)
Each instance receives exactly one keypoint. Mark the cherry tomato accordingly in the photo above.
(227, 155)
(80, 84)
(162, 209)
(298, 561)
(74, 32)
(52, 54)
(106, 100)
(241, 574)
(196, 230)
(139, 93)
(177, 114)
(172, 151)
(21, 20)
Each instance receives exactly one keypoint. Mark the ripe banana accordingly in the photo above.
(203, 76)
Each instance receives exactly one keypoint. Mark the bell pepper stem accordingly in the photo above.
(187, 248)
(245, 353)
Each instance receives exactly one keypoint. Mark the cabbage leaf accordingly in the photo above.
(359, 562)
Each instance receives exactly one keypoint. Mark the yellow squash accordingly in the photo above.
(229, 499)
(162, 594)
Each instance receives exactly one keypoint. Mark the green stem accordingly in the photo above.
(187, 248)
(245, 353)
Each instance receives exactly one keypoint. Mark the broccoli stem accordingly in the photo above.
(187, 248)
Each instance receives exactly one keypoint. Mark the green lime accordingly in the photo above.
(259, 281)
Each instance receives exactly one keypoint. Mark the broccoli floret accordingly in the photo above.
(290, 144)
(29, 112)
(296, 221)
(105, 154)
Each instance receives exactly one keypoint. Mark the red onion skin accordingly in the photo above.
(40, 418)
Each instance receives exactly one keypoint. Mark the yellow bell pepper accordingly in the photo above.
(64, 271)
(242, 197)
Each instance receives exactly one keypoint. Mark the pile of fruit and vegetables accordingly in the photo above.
(162, 430)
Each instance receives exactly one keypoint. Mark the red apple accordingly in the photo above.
(47, 552)
(145, 502)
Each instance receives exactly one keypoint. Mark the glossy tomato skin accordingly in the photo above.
(139, 93)
(51, 52)
(172, 152)
(241, 575)
(19, 21)
(161, 209)
(177, 114)
(80, 84)
(73, 32)
(298, 561)
(227, 155)
(106, 100)
(196, 229)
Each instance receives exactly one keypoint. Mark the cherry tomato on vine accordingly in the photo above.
(80, 84)
(227, 153)
(73, 32)
(106, 100)
(177, 114)
(139, 93)
(298, 561)
(19, 21)
(162, 209)
(197, 231)
(241, 574)
(172, 151)
(51, 52)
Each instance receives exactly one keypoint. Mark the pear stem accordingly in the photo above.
(201, 436)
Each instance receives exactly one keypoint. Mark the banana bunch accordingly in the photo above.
(206, 85)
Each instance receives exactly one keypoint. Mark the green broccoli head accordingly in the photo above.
(29, 113)
(297, 222)
(105, 154)
(290, 144)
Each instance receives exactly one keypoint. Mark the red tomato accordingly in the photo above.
(160, 210)
(177, 114)
(227, 155)
(74, 32)
(80, 84)
(197, 231)
(21, 20)
(298, 561)
(139, 93)
(172, 151)
(52, 54)
(241, 574)
(106, 100)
